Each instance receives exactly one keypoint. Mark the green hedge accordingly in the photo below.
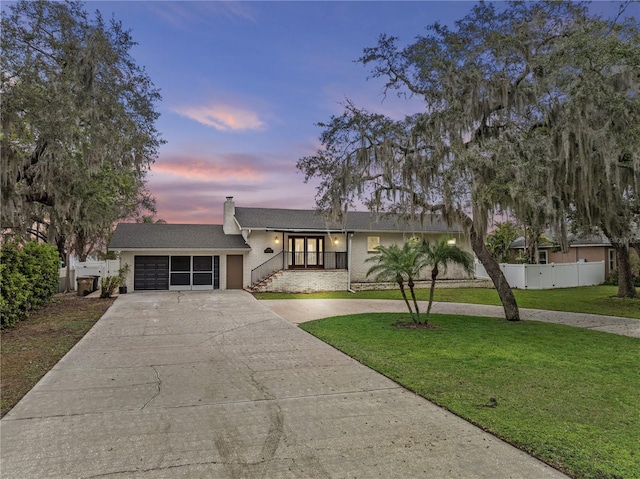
(28, 279)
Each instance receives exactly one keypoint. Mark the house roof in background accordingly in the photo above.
(168, 236)
(358, 221)
(573, 241)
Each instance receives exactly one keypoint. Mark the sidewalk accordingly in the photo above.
(301, 310)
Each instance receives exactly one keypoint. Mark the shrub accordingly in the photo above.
(28, 279)
(108, 286)
(42, 265)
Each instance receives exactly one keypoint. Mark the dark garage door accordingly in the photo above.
(151, 272)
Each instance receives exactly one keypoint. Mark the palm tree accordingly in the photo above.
(399, 264)
(438, 256)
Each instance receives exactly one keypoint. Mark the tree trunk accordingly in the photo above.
(434, 275)
(492, 267)
(406, 300)
(67, 279)
(626, 288)
(415, 301)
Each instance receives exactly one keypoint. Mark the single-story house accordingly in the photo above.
(266, 249)
(581, 249)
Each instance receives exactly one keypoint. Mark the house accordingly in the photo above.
(581, 249)
(266, 249)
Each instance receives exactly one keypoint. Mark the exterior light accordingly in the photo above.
(451, 242)
(277, 240)
(335, 241)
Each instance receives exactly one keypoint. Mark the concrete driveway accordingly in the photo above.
(216, 385)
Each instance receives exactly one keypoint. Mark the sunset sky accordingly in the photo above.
(244, 84)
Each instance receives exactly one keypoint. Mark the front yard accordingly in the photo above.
(568, 396)
(36, 344)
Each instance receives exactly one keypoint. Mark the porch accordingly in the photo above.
(315, 264)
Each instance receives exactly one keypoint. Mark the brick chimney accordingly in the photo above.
(229, 225)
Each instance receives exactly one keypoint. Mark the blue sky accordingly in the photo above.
(244, 84)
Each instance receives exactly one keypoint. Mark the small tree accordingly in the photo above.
(399, 264)
(438, 255)
(500, 239)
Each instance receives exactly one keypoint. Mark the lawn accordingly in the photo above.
(588, 299)
(568, 396)
(35, 345)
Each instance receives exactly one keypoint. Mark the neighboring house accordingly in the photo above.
(582, 249)
(265, 249)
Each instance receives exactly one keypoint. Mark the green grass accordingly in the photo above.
(588, 299)
(568, 396)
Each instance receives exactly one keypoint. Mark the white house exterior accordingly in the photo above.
(266, 249)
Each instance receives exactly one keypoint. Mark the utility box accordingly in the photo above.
(85, 285)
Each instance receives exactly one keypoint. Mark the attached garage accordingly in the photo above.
(151, 273)
(179, 257)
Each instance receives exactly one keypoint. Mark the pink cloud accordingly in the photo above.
(197, 169)
(223, 117)
(180, 200)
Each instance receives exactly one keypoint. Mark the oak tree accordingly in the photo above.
(78, 124)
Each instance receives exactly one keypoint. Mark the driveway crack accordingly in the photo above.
(158, 384)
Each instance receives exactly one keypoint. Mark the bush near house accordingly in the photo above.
(635, 272)
(28, 279)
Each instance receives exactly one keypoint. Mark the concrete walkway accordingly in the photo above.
(301, 310)
(216, 385)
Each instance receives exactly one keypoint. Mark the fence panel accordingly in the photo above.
(591, 273)
(515, 275)
(548, 276)
(103, 269)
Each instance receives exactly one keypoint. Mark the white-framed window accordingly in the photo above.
(372, 243)
(542, 257)
(612, 259)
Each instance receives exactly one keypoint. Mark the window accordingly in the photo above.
(372, 243)
(194, 272)
(183, 265)
(306, 252)
(542, 257)
(612, 260)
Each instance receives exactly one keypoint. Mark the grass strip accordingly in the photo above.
(587, 299)
(35, 345)
(568, 396)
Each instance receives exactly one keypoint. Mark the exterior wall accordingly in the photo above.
(127, 257)
(359, 254)
(306, 281)
(575, 254)
(261, 240)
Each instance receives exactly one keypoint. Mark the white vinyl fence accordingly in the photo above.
(102, 269)
(549, 276)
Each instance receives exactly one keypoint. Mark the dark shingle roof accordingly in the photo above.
(305, 220)
(572, 241)
(153, 235)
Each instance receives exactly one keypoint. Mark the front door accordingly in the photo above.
(234, 271)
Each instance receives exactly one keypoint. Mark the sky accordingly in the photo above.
(244, 85)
